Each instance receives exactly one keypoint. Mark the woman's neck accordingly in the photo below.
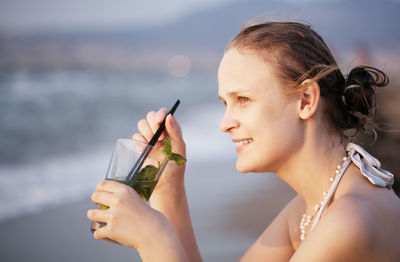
(309, 171)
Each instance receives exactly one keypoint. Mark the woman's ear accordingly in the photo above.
(309, 99)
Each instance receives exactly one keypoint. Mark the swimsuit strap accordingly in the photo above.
(369, 167)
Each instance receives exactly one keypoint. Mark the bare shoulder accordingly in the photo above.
(275, 242)
(356, 227)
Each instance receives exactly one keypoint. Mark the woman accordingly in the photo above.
(288, 108)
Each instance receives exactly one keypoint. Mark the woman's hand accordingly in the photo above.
(131, 222)
(169, 196)
(164, 233)
(173, 174)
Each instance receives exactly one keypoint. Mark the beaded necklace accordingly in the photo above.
(306, 219)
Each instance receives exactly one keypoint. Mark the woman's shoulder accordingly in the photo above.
(363, 208)
(357, 227)
(366, 213)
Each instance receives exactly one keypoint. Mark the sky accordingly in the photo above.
(23, 15)
(32, 15)
(48, 15)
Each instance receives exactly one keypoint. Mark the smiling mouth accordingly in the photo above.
(244, 142)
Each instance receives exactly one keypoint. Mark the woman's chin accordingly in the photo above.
(243, 167)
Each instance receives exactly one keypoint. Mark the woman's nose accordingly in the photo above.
(228, 123)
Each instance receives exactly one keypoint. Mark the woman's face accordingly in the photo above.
(261, 120)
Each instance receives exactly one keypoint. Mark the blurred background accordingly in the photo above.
(77, 75)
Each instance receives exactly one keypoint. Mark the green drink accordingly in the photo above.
(125, 155)
(144, 187)
(144, 184)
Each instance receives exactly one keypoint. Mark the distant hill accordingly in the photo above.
(342, 23)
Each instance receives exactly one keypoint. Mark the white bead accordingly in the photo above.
(306, 220)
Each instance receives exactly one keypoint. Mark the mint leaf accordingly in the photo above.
(149, 172)
(179, 160)
(102, 207)
(167, 148)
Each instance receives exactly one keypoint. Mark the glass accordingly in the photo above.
(126, 154)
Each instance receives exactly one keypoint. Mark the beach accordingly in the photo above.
(53, 156)
(45, 194)
(226, 222)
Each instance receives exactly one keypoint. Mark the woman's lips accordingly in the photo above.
(242, 143)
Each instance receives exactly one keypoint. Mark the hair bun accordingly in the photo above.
(359, 89)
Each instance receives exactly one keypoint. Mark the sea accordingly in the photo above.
(58, 128)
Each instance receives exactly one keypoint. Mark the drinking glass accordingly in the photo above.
(124, 168)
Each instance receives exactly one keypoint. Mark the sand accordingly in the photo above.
(229, 211)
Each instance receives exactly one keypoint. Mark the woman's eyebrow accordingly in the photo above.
(236, 92)
(240, 90)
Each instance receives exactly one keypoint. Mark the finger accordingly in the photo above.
(151, 119)
(161, 114)
(173, 128)
(141, 145)
(139, 137)
(145, 129)
(97, 215)
(155, 119)
(101, 233)
(103, 198)
(175, 134)
(112, 187)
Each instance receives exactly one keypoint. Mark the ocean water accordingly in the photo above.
(58, 129)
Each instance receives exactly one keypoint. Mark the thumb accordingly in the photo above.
(175, 134)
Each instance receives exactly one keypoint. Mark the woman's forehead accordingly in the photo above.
(244, 70)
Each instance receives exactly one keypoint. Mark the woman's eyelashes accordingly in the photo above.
(243, 100)
(223, 102)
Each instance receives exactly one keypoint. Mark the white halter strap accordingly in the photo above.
(369, 167)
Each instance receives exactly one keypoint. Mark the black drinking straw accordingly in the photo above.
(139, 163)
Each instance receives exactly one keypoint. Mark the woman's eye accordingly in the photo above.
(243, 100)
